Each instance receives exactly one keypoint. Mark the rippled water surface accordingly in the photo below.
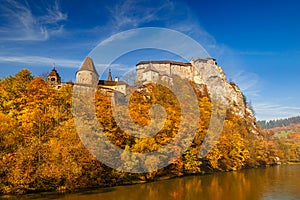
(281, 182)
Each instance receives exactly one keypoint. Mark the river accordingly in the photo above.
(280, 182)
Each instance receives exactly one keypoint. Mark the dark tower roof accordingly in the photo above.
(53, 72)
(88, 65)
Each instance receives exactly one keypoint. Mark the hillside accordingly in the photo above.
(285, 131)
(40, 149)
(286, 134)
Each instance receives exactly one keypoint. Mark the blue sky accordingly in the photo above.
(257, 43)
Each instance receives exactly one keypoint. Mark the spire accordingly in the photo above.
(53, 72)
(88, 65)
(109, 76)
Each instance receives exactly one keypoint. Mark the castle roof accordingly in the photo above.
(205, 59)
(110, 83)
(88, 65)
(53, 72)
(164, 62)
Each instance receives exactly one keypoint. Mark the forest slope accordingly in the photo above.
(40, 149)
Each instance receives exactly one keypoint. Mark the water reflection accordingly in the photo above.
(271, 183)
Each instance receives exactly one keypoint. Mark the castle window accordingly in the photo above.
(52, 79)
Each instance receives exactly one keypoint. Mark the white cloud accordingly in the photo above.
(269, 111)
(47, 61)
(42, 61)
(54, 15)
(248, 82)
(132, 13)
(20, 24)
(174, 15)
(117, 37)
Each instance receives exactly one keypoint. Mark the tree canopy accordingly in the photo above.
(40, 149)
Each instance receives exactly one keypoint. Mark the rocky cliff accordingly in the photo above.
(207, 72)
(202, 71)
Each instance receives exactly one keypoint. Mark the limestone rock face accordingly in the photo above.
(212, 75)
(209, 73)
(202, 71)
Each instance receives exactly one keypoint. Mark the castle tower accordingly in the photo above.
(54, 78)
(109, 78)
(87, 75)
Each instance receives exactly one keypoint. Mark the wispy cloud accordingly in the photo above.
(175, 15)
(269, 111)
(117, 37)
(131, 14)
(53, 16)
(47, 61)
(248, 83)
(40, 61)
(20, 24)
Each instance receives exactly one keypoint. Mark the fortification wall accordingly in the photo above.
(184, 70)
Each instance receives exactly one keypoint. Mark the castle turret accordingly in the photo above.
(87, 74)
(53, 77)
(109, 78)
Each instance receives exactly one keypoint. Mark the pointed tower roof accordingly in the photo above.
(53, 72)
(88, 65)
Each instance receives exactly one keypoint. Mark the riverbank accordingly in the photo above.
(293, 162)
(63, 192)
(278, 182)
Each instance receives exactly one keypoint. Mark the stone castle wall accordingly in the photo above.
(166, 68)
(169, 68)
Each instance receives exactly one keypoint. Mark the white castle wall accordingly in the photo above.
(184, 70)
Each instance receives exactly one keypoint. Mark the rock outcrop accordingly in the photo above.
(212, 75)
(202, 72)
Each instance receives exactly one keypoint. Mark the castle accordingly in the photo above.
(54, 79)
(147, 71)
(202, 71)
(151, 71)
(87, 75)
